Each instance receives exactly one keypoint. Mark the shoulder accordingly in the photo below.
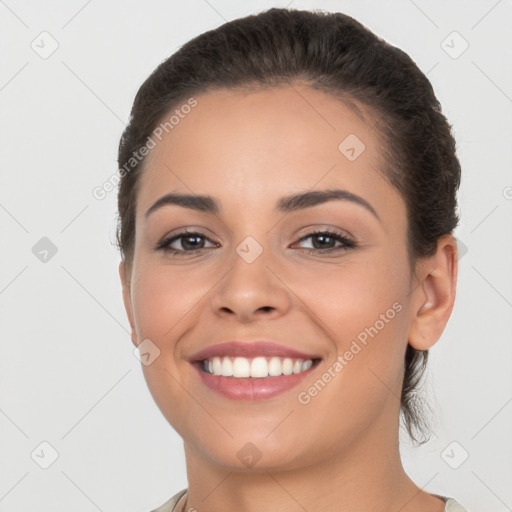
(169, 505)
(453, 506)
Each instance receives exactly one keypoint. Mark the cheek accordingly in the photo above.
(362, 309)
(162, 297)
(353, 295)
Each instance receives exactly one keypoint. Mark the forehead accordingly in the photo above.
(245, 146)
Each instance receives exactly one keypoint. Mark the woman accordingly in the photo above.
(286, 206)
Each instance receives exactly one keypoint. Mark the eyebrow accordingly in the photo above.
(286, 204)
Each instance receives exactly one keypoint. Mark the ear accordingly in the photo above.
(125, 282)
(434, 294)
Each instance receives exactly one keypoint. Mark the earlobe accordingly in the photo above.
(434, 297)
(123, 274)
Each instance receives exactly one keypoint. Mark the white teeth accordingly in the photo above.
(217, 366)
(227, 367)
(287, 366)
(241, 367)
(258, 367)
(275, 367)
(307, 364)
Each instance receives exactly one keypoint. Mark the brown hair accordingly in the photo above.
(338, 55)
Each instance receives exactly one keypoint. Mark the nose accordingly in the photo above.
(251, 291)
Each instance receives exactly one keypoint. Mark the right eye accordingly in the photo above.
(190, 242)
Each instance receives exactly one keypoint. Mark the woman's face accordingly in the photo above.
(253, 271)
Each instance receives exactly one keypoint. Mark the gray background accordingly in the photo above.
(68, 375)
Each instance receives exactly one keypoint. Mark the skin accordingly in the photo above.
(340, 451)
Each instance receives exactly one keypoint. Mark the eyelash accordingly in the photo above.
(347, 243)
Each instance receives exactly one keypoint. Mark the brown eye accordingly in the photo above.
(325, 241)
(186, 241)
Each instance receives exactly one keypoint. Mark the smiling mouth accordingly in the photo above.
(259, 367)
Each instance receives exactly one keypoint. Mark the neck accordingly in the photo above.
(367, 476)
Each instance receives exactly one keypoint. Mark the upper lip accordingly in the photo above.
(250, 349)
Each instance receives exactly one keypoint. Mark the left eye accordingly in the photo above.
(326, 239)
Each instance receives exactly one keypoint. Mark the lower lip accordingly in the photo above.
(252, 388)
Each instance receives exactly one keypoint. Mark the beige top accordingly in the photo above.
(168, 506)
